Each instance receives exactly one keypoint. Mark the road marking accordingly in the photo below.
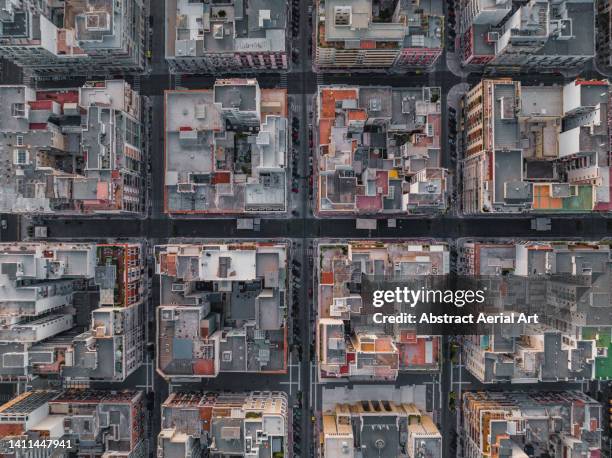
(290, 386)
(290, 375)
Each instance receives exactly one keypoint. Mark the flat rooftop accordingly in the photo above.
(199, 29)
(231, 315)
(226, 149)
(378, 148)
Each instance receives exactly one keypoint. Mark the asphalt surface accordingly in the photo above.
(571, 226)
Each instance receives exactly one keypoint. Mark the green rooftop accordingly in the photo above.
(603, 339)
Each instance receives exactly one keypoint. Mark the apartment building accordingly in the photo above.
(229, 424)
(535, 148)
(379, 428)
(226, 35)
(542, 34)
(349, 343)
(71, 310)
(95, 423)
(223, 309)
(535, 423)
(379, 152)
(74, 36)
(604, 33)
(226, 149)
(71, 151)
(368, 35)
(568, 285)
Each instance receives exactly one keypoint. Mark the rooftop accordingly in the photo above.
(571, 416)
(226, 26)
(226, 149)
(573, 302)
(74, 34)
(379, 150)
(65, 308)
(239, 423)
(548, 146)
(383, 428)
(351, 344)
(236, 293)
(400, 24)
(57, 153)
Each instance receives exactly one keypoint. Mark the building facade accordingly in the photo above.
(563, 423)
(379, 151)
(539, 34)
(222, 309)
(567, 284)
(86, 422)
(379, 428)
(604, 33)
(226, 149)
(228, 35)
(367, 35)
(71, 311)
(229, 424)
(72, 151)
(533, 148)
(73, 36)
(349, 343)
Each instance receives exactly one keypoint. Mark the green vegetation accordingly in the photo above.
(603, 340)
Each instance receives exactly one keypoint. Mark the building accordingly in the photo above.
(539, 34)
(535, 423)
(226, 149)
(378, 151)
(369, 35)
(568, 285)
(71, 310)
(94, 423)
(71, 151)
(226, 35)
(223, 309)
(230, 424)
(534, 148)
(604, 32)
(74, 36)
(349, 343)
(379, 429)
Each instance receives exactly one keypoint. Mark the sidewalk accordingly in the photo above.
(455, 93)
(454, 65)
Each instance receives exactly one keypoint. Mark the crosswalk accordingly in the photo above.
(178, 80)
(296, 107)
(137, 83)
(320, 79)
(75, 384)
(283, 81)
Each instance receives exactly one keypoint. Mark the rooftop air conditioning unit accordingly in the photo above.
(178, 287)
